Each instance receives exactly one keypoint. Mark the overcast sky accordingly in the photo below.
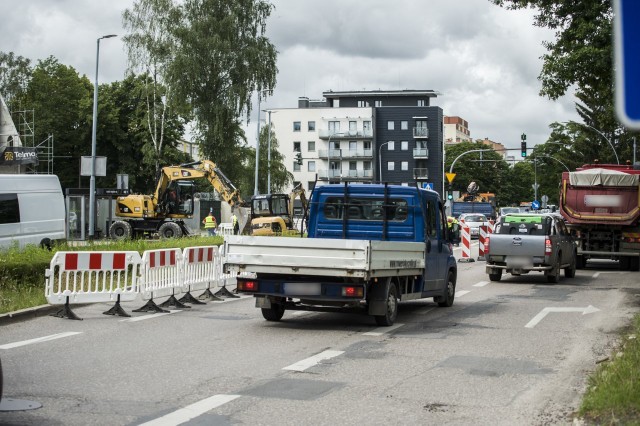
(484, 60)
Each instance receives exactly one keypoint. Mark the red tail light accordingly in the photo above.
(547, 247)
(486, 244)
(352, 291)
(247, 285)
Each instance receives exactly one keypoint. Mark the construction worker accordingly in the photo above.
(210, 223)
(454, 228)
(236, 225)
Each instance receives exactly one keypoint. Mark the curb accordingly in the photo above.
(27, 313)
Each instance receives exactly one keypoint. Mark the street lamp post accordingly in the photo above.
(380, 158)
(601, 134)
(255, 187)
(92, 181)
(269, 154)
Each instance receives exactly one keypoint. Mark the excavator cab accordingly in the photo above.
(177, 199)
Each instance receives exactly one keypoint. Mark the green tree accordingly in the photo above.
(15, 73)
(62, 101)
(281, 179)
(214, 55)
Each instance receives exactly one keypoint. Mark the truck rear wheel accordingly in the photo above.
(274, 313)
(496, 276)
(570, 271)
(391, 313)
(553, 275)
(170, 230)
(120, 230)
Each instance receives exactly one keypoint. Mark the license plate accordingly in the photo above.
(518, 261)
(302, 289)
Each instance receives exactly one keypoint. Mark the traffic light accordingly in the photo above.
(523, 149)
(450, 196)
(299, 158)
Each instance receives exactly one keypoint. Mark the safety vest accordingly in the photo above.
(209, 222)
(234, 219)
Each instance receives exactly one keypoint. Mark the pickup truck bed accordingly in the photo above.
(361, 259)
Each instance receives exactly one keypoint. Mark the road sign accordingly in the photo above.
(450, 176)
(427, 185)
(535, 186)
(535, 204)
(627, 55)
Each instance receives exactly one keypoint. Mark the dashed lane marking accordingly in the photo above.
(462, 293)
(314, 360)
(146, 317)
(481, 284)
(192, 411)
(39, 340)
(382, 330)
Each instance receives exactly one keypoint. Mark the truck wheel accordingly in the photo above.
(553, 276)
(570, 271)
(495, 276)
(581, 262)
(389, 317)
(446, 301)
(170, 230)
(120, 230)
(274, 313)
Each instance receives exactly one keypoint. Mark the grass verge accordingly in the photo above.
(613, 396)
(22, 280)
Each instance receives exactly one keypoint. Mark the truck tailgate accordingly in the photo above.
(327, 257)
(516, 247)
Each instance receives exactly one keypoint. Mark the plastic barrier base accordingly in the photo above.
(188, 298)
(208, 295)
(151, 306)
(172, 302)
(117, 310)
(223, 292)
(66, 312)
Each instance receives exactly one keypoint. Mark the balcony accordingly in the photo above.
(348, 134)
(422, 173)
(422, 153)
(346, 175)
(324, 153)
(420, 132)
(357, 153)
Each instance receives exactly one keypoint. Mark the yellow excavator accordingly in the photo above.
(164, 211)
(271, 214)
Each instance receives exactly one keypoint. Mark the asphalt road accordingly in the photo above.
(514, 352)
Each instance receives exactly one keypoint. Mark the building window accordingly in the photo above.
(334, 127)
(353, 146)
(422, 102)
(296, 126)
(366, 165)
(296, 166)
(311, 166)
(391, 145)
(363, 104)
(390, 165)
(404, 145)
(390, 125)
(404, 125)
(311, 126)
(310, 185)
(296, 147)
(311, 146)
(336, 103)
(353, 165)
(353, 127)
(366, 127)
(404, 165)
(366, 145)
(378, 103)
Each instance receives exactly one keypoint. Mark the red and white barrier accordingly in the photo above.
(465, 241)
(162, 275)
(92, 277)
(483, 234)
(201, 270)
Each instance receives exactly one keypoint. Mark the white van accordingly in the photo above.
(32, 210)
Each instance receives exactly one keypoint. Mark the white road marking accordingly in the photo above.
(299, 313)
(597, 274)
(462, 293)
(314, 360)
(232, 299)
(382, 330)
(192, 411)
(146, 317)
(39, 339)
(543, 313)
(481, 284)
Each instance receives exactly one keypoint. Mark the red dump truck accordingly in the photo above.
(601, 206)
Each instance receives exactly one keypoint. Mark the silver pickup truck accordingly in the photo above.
(522, 243)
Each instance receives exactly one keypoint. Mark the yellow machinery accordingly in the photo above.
(164, 211)
(271, 214)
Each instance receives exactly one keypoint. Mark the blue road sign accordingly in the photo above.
(535, 204)
(627, 54)
(427, 185)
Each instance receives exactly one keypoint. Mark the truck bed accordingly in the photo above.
(323, 257)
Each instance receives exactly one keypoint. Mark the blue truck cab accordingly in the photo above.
(368, 247)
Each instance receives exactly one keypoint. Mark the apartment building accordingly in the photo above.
(363, 136)
(456, 130)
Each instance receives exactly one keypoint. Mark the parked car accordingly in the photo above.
(473, 221)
